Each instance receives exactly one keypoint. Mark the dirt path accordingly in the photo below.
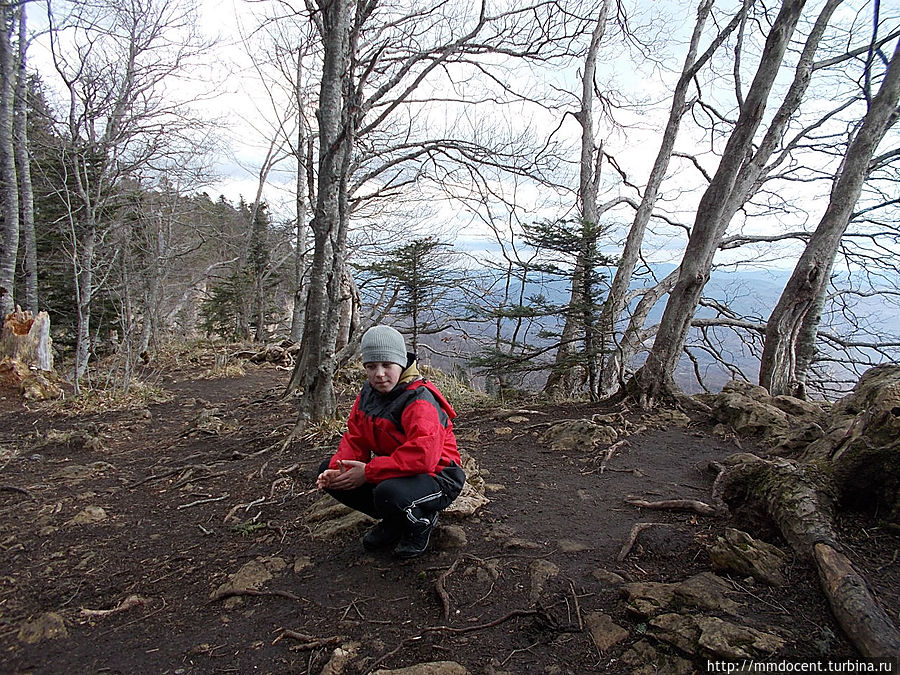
(122, 531)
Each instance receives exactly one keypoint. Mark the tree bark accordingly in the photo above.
(615, 361)
(791, 327)
(9, 190)
(654, 379)
(560, 379)
(314, 372)
(23, 172)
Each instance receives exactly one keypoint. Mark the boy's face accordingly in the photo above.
(383, 376)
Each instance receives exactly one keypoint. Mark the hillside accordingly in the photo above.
(177, 538)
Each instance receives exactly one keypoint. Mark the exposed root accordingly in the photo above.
(632, 539)
(694, 505)
(126, 604)
(234, 592)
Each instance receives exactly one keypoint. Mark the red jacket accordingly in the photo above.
(406, 432)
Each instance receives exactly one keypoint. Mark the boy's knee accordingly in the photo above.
(324, 466)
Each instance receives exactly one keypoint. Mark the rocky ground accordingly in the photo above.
(182, 537)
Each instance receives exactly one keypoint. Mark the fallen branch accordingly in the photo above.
(702, 508)
(126, 604)
(632, 539)
(308, 642)
(235, 592)
(201, 501)
(868, 626)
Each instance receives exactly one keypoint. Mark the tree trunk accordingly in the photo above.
(314, 372)
(84, 280)
(560, 379)
(654, 379)
(785, 355)
(614, 362)
(304, 155)
(23, 172)
(9, 190)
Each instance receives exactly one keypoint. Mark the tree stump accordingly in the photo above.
(26, 339)
(26, 359)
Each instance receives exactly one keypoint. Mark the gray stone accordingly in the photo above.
(607, 577)
(48, 626)
(739, 552)
(541, 572)
(647, 660)
(706, 591)
(604, 631)
(647, 598)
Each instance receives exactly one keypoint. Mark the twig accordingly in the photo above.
(577, 606)
(307, 641)
(442, 591)
(21, 491)
(632, 538)
(234, 592)
(610, 451)
(674, 505)
(202, 501)
(450, 629)
(516, 651)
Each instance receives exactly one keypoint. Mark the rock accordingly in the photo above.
(541, 572)
(328, 519)
(340, 659)
(90, 514)
(796, 407)
(472, 496)
(739, 552)
(647, 598)
(647, 660)
(679, 630)
(731, 641)
(433, 668)
(667, 417)
(451, 537)
(604, 631)
(706, 591)
(48, 626)
(578, 435)
(569, 546)
(250, 577)
(607, 577)
(713, 637)
(302, 563)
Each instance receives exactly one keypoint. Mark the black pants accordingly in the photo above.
(409, 501)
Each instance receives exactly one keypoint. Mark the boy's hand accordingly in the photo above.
(350, 475)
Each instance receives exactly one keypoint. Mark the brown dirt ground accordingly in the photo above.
(152, 469)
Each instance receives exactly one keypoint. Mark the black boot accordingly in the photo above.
(415, 540)
(384, 535)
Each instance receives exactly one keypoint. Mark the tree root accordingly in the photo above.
(694, 505)
(308, 642)
(865, 623)
(632, 539)
(800, 502)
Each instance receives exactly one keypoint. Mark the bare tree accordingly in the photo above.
(23, 170)
(616, 359)
(114, 60)
(9, 189)
(792, 327)
(371, 72)
(654, 379)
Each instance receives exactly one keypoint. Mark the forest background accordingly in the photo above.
(591, 197)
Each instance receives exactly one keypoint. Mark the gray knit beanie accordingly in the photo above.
(383, 344)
